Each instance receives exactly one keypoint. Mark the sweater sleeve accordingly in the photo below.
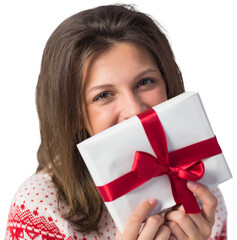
(219, 231)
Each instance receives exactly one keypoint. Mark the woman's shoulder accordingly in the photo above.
(35, 212)
(34, 209)
(37, 193)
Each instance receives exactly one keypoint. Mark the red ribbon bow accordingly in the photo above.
(180, 165)
(148, 167)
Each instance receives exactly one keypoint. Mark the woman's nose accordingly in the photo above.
(131, 106)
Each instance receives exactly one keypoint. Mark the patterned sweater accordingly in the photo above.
(34, 215)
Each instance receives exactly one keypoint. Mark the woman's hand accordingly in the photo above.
(194, 226)
(153, 228)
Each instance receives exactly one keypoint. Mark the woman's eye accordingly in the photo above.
(102, 96)
(145, 81)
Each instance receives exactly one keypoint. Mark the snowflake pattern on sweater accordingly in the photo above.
(34, 215)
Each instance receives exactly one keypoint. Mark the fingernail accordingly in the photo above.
(191, 185)
(152, 201)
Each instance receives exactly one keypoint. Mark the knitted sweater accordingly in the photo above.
(34, 215)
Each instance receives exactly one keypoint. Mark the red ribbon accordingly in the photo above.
(180, 165)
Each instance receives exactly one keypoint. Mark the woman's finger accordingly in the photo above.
(173, 237)
(137, 217)
(208, 199)
(199, 221)
(163, 233)
(151, 227)
(184, 222)
(176, 231)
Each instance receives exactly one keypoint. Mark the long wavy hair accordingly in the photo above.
(59, 96)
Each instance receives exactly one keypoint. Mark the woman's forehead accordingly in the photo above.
(115, 59)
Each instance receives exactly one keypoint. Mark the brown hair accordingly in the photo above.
(59, 96)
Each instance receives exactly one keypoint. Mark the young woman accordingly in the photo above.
(100, 67)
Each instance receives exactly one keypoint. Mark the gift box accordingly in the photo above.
(152, 155)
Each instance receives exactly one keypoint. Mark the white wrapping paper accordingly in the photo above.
(110, 154)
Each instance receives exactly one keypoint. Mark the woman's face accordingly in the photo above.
(119, 83)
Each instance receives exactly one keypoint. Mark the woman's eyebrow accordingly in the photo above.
(141, 74)
(99, 87)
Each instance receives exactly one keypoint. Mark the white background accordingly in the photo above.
(203, 36)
